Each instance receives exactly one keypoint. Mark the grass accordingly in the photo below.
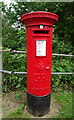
(18, 113)
(64, 98)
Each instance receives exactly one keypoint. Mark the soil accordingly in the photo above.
(9, 104)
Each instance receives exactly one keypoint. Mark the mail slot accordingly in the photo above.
(39, 26)
(41, 32)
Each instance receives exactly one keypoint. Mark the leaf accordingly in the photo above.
(18, 86)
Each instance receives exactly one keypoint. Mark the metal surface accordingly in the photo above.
(24, 52)
(11, 72)
(25, 73)
(38, 61)
(39, 18)
(61, 73)
(14, 51)
(38, 105)
(54, 54)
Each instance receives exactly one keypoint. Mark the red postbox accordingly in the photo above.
(39, 27)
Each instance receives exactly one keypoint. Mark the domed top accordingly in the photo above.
(39, 15)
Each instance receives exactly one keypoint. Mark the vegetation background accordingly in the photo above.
(14, 38)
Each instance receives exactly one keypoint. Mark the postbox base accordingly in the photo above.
(38, 105)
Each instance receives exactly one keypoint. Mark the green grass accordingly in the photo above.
(18, 113)
(63, 98)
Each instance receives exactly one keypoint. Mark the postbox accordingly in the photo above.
(39, 26)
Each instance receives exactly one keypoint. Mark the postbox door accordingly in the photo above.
(39, 79)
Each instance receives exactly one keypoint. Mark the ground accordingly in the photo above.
(14, 105)
(10, 103)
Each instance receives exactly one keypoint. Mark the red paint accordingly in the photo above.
(39, 67)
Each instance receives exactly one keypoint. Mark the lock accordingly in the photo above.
(47, 68)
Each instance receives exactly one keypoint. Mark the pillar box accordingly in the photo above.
(39, 26)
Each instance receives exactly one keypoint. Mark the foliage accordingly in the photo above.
(18, 96)
(22, 106)
(14, 37)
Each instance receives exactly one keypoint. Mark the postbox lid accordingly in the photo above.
(39, 18)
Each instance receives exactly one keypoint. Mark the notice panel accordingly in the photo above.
(41, 48)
